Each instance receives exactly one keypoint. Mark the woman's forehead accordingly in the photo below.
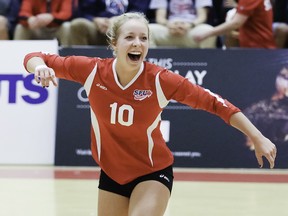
(134, 25)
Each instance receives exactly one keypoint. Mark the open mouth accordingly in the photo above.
(134, 56)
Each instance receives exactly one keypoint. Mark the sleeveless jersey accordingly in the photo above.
(126, 140)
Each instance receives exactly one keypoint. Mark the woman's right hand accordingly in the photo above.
(45, 75)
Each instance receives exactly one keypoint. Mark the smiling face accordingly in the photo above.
(132, 44)
(129, 39)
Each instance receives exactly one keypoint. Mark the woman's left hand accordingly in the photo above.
(265, 148)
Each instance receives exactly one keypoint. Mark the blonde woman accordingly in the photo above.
(127, 96)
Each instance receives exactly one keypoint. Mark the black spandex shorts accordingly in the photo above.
(164, 176)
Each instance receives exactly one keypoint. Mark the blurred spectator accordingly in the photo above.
(220, 9)
(177, 22)
(44, 19)
(230, 39)
(280, 24)
(9, 10)
(96, 15)
(254, 20)
(219, 15)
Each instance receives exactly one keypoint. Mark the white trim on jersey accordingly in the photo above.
(89, 80)
(218, 98)
(160, 95)
(88, 85)
(96, 130)
(150, 140)
(132, 81)
(162, 103)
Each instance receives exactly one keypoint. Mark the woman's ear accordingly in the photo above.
(113, 45)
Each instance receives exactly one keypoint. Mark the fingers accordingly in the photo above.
(44, 78)
(44, 75)
(270, 156)
(37, 76)
(271, 161)
(53, 79)
(260, 160)
(41, 71)
(274, 153)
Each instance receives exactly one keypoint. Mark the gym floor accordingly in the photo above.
(72, 191)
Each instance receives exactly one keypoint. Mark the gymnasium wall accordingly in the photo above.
(52, 126)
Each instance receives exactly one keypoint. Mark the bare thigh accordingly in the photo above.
(111, 204)
(149, 198)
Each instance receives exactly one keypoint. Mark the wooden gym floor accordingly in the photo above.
(72, 191)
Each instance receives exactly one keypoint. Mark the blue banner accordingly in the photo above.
(196, 138)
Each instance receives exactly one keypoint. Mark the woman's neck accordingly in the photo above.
(125, 74)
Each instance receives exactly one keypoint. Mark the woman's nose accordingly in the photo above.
(136, 42)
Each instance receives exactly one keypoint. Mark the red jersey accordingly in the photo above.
(60, 9)
(257, 30)
(126, 140)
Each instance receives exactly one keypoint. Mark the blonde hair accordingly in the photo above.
(113, 31)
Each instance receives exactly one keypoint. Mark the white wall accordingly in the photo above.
(27, 112)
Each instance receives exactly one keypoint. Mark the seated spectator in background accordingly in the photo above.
(177, 22)
(254, 20)
(230, 39)
(280, 24)
(44, 20)
(95, 17)
(9, 10)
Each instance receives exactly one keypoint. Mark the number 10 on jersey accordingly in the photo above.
(117, 114)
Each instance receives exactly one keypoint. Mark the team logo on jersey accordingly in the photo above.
(141, 94)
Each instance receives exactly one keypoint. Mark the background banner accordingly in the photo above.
(196, 138)
(27, 111)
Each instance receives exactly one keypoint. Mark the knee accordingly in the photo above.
(210, 42)
(281, 29)
(3, 23)
(78, 23)
(157, 34)
(21, 32)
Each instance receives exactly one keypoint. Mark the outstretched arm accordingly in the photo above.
(42, 73)
(237, 21)
(263, 146)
